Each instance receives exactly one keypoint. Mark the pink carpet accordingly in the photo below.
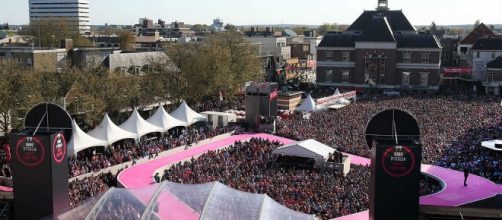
(453, 194)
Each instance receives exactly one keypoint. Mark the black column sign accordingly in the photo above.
(40, 164)
(393, 137)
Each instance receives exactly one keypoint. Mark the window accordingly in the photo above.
(374, 71)
(424, 79)
(425, 57)
(489, 77)
(329, 76)
(493, 54)
(346, 55)
(405, 81)
(407, 57)
(278, 44)
(345, 77)
(306, 48)
(463, 50)
(329, 55)
(477, 54)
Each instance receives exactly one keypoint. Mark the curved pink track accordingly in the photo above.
(453, 194)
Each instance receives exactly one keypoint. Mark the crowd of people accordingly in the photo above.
(92, 160)
(235, 102)
(452, 129)
(82, 189)
(249, 166)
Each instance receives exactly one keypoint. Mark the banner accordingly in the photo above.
(334, 98)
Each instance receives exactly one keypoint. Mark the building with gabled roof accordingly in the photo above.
(465, 45)
(381, 50)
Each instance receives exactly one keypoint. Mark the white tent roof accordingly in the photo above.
(139, 126)
(80, 140)
(308, 148)
(307, 106)
(491, 145)
(337, 92)
(187, 115)
(110, 132)
(164, 120)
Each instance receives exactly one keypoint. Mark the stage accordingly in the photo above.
(453, 194)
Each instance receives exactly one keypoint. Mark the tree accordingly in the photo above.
(300, 30)
(230, 27)
(327, 27)
(20, 91)
(476, 24)
(223, 62)
(48, 32)
(126, 40)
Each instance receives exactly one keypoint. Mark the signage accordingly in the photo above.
(398, 161)
(30, 151)
(59, 148)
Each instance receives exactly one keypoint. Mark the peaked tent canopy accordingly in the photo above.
(81, 141)
(139, 126)
(493, 145)
(337, 92)
(187, 115)
(162, 119)
(108, 131)
(307, 149)
(308, 105)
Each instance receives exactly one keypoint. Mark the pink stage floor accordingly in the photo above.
(453, 194)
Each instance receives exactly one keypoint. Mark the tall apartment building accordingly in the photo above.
(73, 11)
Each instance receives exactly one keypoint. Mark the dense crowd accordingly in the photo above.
(249, 166)
(235, 102)
(87, 187)
(91, 161)
(452, 129)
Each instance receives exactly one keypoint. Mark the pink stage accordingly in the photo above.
(453, 193)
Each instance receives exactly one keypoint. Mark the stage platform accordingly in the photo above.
(453, 194)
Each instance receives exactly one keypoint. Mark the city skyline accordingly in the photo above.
(261, 12)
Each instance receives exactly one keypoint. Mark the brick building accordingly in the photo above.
(381, 50)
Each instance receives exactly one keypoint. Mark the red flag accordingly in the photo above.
(273, 95)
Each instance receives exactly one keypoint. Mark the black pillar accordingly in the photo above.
(40, 174)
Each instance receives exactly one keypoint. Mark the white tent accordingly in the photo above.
(80, 140)
(139, 126)
(110, 132)
(187, 115)
(308, 149)
(337, 92)
(164, 120)
(492, 145)
(307, 106)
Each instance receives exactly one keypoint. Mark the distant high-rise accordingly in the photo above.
(73, 11)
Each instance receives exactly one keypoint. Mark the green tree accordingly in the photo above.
(20, 91)
(300, 30)
(222, 63)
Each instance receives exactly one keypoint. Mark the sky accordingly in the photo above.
(245, 12)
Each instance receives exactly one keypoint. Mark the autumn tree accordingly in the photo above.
(126, 40)
(48, 32)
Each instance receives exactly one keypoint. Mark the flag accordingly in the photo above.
(273, 95)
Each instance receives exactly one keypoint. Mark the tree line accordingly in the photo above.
(193, 72)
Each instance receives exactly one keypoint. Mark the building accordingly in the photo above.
(381, 50)
(218, 25)
(484, 51)
(465, 45)
(493, 80)
(449, 55)
(38, 59)
(272, 46)
(72, 11)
